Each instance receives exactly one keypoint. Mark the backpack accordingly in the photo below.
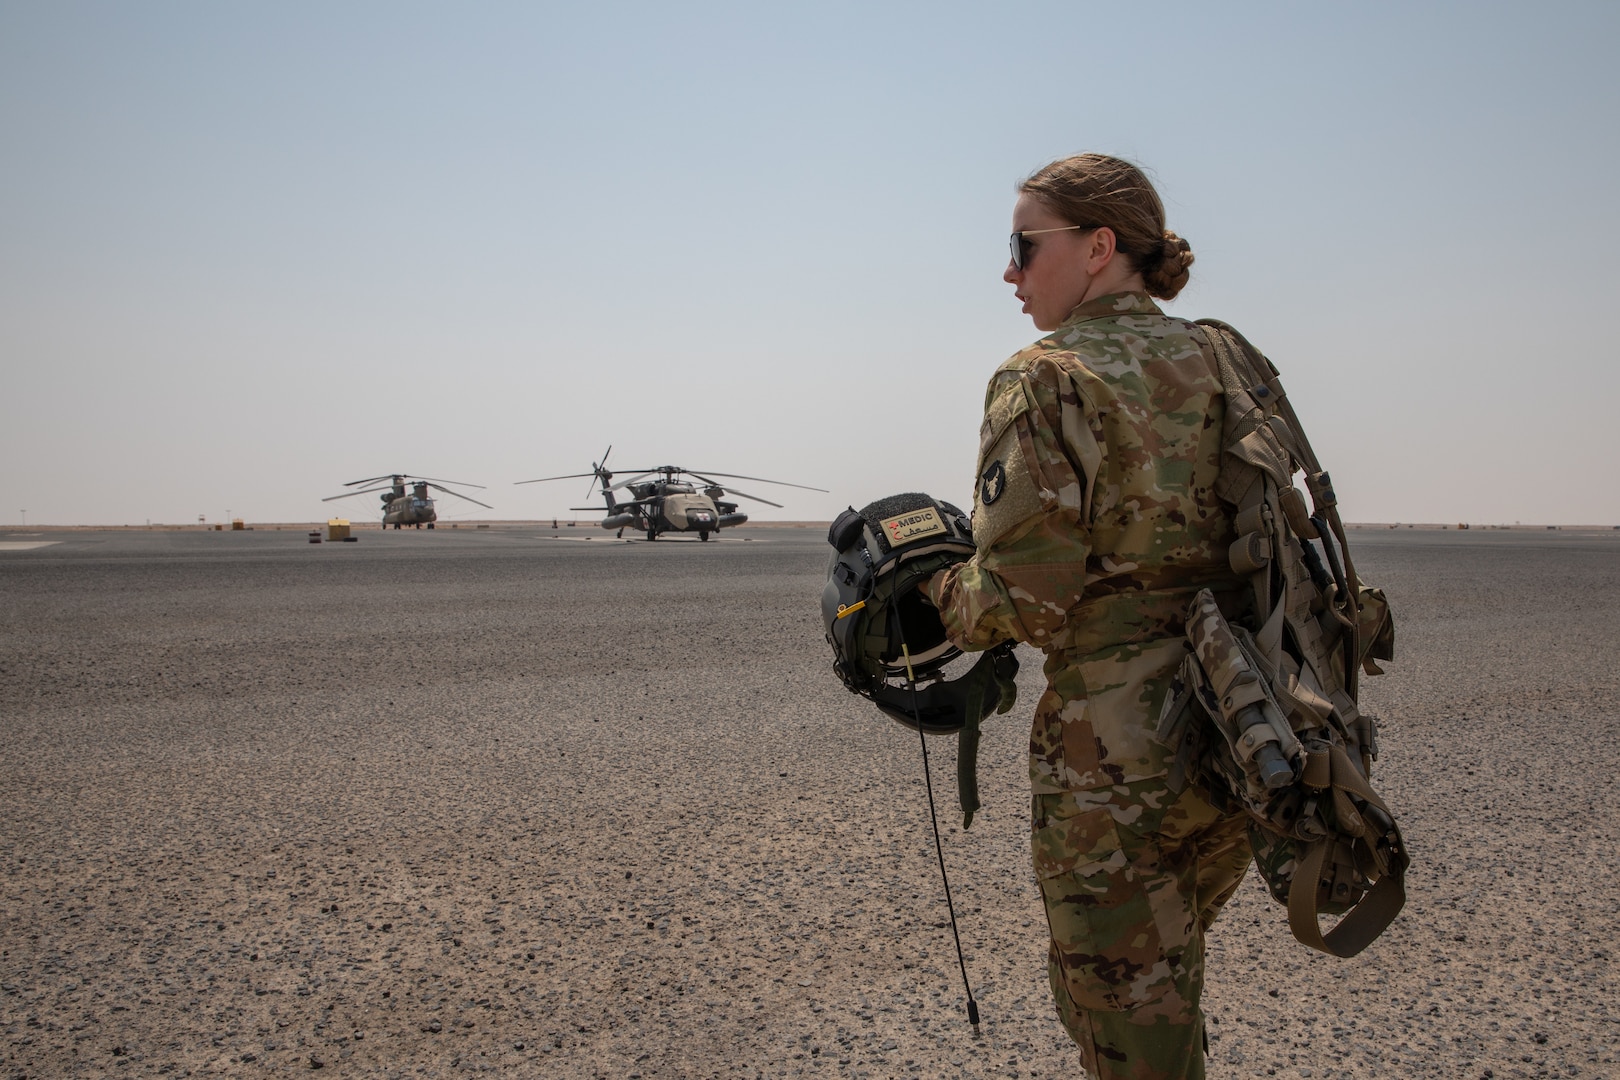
(1263, 711)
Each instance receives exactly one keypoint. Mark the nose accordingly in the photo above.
(1012, 275)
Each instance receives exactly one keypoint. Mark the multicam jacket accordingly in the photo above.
(1096, 522)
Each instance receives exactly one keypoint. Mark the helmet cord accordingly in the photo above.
(939, 850)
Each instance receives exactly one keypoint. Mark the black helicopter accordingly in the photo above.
(408, 508)
(663, 503)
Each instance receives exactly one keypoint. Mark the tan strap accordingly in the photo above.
(1360, 925)
(1346, 777)
(1374, 911)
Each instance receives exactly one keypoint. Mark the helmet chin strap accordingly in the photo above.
(939, 850)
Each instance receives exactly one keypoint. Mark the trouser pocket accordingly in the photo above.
(1107, 949)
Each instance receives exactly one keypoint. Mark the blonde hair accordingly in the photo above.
(1096, 190)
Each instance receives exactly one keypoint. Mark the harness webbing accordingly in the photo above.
(1292, 745)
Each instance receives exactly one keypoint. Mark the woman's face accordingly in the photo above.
(1055, 277)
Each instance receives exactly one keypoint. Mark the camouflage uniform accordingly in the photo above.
(1096, 523)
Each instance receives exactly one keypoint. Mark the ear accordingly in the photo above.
(1101, 247)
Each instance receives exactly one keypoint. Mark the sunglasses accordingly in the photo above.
(1020, 246)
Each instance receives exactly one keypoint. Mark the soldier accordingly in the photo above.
(1096, 521)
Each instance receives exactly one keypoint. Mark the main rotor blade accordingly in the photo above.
(436, 480)
(634, 479)
(408, 476)
(756, 498)
(761, 479)
(543, 479)
(459, 495)
(367, 491)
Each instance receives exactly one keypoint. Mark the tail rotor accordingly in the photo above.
(599, 471)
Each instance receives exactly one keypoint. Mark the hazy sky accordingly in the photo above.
(250, 252)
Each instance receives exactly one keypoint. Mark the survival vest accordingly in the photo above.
(1263, 712)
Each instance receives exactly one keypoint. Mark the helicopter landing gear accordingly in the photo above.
(703, 534)
(652, 533)
(619, 535)
(430, 524)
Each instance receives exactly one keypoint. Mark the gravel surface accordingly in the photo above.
(464, 801)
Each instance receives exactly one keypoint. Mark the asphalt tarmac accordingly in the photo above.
(449, 802)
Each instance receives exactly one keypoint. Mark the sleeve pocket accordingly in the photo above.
(1006, 492)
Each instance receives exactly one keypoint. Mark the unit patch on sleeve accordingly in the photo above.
(1006, 493)
(993, 483)
(911, 525)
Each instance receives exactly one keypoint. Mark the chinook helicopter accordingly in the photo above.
(663, 503)
(413, 508)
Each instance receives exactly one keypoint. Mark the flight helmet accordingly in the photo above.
(887, 639)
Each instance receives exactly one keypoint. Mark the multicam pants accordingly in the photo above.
(1132, 876)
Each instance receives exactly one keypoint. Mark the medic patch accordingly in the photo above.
(993, 483)
(911, 525)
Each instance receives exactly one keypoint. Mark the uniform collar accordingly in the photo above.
(1112, 306)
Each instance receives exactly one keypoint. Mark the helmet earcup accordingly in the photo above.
(919, 626)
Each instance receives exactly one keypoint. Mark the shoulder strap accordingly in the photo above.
(1252, 382)
(1375, 911)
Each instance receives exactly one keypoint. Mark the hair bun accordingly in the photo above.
(1167, 272)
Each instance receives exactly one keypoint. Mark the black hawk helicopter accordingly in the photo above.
(663, 503)
(408, 508)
